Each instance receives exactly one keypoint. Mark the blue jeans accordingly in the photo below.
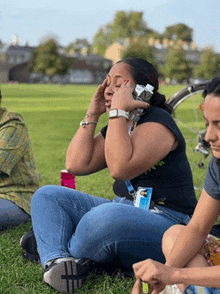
(67, 223)
(201, 290)
(11, 215)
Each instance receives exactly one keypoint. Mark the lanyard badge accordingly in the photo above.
(143, 198)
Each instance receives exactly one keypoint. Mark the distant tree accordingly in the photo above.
(176, 66)
(2, 56)
(178, 31)
(209, 66)
(78, 45)
(125, 25)
(1, 44)
(47, 60)
(129, 24)
(142, 50)
(33, 60)
(102, 39)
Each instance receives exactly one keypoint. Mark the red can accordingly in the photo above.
(67, 179)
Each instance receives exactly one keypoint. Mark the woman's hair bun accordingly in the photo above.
(159, 100)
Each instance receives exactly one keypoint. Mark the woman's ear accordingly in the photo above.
(201, 106)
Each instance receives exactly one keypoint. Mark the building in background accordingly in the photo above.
(193, 54)
(87, 68)
(114, 52)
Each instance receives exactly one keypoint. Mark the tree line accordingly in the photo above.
(130, 28)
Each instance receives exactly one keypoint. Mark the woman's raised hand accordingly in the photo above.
(123, 99)
(97, 105)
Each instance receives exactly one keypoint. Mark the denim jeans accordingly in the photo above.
(11, 215)
(67, 223)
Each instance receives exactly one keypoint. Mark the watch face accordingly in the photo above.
(113, 113)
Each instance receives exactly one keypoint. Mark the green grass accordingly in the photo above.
(52, 114)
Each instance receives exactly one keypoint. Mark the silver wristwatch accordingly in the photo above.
(118, 112)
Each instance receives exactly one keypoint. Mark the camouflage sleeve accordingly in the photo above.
(13, 142)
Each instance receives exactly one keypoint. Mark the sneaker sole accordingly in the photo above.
(67, 276)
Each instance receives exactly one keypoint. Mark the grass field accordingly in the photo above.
(52, 114)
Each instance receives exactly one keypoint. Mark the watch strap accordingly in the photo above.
(118, 112)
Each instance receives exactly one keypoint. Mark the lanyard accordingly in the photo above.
(129, 185)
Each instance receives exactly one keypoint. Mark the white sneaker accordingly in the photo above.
(67, 274)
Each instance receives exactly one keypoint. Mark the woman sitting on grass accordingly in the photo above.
(193, 256)
(73, 229)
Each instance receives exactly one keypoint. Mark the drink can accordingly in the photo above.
(67, 179)
(145, 288)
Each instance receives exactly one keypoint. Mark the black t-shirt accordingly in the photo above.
(171, 178)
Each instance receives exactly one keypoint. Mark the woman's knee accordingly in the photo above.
(101, 221)
(39, 194)
(100, 226)
(43, 195)
(170, 237)
(101, 216)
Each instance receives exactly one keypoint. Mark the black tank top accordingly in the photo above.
(171, 178)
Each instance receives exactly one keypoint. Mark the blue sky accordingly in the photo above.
(71, 19)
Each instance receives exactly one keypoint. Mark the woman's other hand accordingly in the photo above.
(123, 98)
(97, 105)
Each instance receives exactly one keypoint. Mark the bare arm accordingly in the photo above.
(191, 239)
(128, 156)
(187, 245)
(85, 153)
(205, 276)
(156, 273)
